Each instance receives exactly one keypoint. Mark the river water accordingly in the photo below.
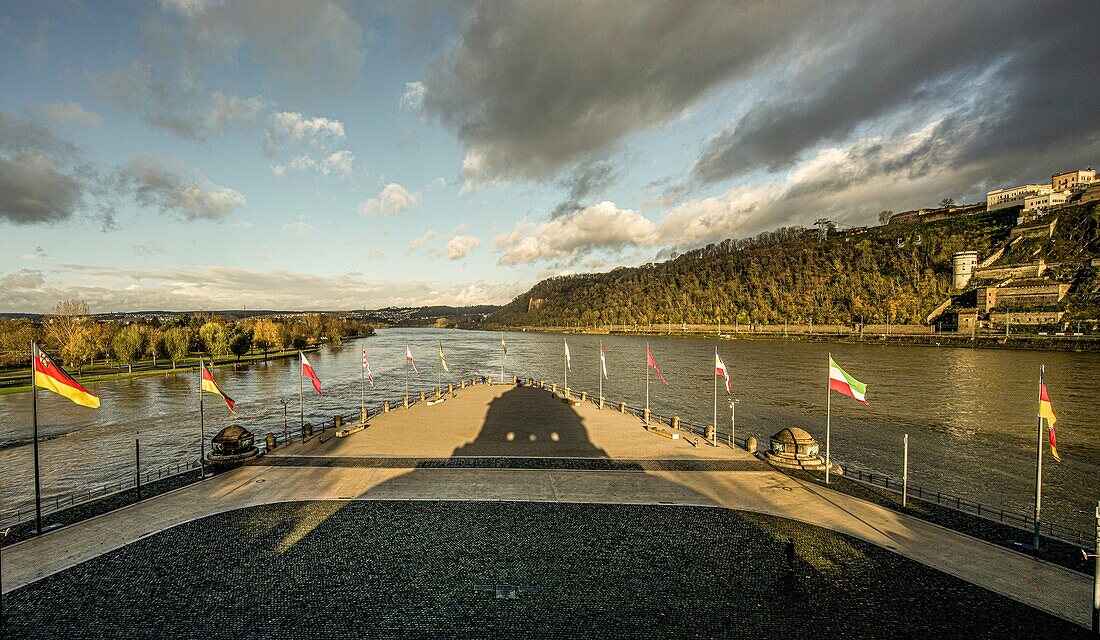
(970, 414)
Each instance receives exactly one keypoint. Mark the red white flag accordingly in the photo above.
(502, 345)
(720, 370)
(366, 365)
(409, 358)
(308, 372)
(651, 361)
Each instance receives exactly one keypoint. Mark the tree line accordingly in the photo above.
(898, 274)
(78, 339)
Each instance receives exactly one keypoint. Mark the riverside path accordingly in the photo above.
(516, 443)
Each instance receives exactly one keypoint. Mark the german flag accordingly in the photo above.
(210, 386)
(48, 375)
(1046, 412)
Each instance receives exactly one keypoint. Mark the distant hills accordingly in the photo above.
(443, 316)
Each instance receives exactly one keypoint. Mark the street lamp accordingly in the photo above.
(733, 419)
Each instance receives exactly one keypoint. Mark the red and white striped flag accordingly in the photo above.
(720, 370)
(366, 365)
(308, 372)
(409, 358)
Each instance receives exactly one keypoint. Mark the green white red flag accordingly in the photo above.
(841, 382)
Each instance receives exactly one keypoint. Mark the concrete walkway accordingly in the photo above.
(499, 420)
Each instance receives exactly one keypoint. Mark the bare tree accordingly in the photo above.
(946, 202)
(67, 317)
(884, 216)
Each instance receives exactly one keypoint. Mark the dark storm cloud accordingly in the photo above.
(38, 182)
(584, 181)
(532, 88)
(156, 183)
(1011, 76)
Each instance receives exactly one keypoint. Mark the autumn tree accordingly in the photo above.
(81, 347)
(15, 341)
(266, 335)
(215, 338)
(177, 342)
(128, 345)
(154, 344)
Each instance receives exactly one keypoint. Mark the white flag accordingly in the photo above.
(603, 361)
(567, 360)
(409, 359)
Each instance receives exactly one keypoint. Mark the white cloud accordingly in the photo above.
(413, 97)
(338, 163)
(565, 239)
(299, 127)
(243, 225)
(422, 240)
(392, 201)
(62, 112)
(38, 254)
(459, 246)
(173, 289)
(301, 227)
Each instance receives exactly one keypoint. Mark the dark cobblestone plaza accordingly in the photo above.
(436, 569)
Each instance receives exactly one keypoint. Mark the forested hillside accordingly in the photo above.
(901, 270)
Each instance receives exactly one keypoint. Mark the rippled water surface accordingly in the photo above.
(970, 414)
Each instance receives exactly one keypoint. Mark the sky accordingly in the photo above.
(326, 155)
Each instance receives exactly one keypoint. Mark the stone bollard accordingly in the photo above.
(645, 416)
(710, 433)
(622, 407)
(337, 422)
(567, 393)
(489, 380)
(514, 380)
(584, 396)
(554, 388)
(386, 406)
(363, 415)
(675, 423)
(307, 432)
(462, 383)
(750, 445)
(542, 384)
(450, 388)
(422, 396)
(271, 442)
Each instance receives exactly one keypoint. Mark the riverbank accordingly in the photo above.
(902, 335)
(14, 380)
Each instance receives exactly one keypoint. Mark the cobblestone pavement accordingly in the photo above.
(429, 569)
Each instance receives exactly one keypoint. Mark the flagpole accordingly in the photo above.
(565, 362)
(363, 392)
(714, 421)
(647, 383)
(503, 351)
(1038, 470)
(37, 478)
(828, 418)
(202, 429)
(301, 398)
(406, 375)
(599, 374)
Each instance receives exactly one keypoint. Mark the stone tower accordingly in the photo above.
(962, 267)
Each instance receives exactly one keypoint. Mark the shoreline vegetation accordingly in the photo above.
(114, 372)
(878, 334)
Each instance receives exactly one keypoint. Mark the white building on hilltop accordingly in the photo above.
(1037, 205)
(1078, 180)
(1014, 196)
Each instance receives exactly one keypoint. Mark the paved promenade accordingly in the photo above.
(397, 458)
